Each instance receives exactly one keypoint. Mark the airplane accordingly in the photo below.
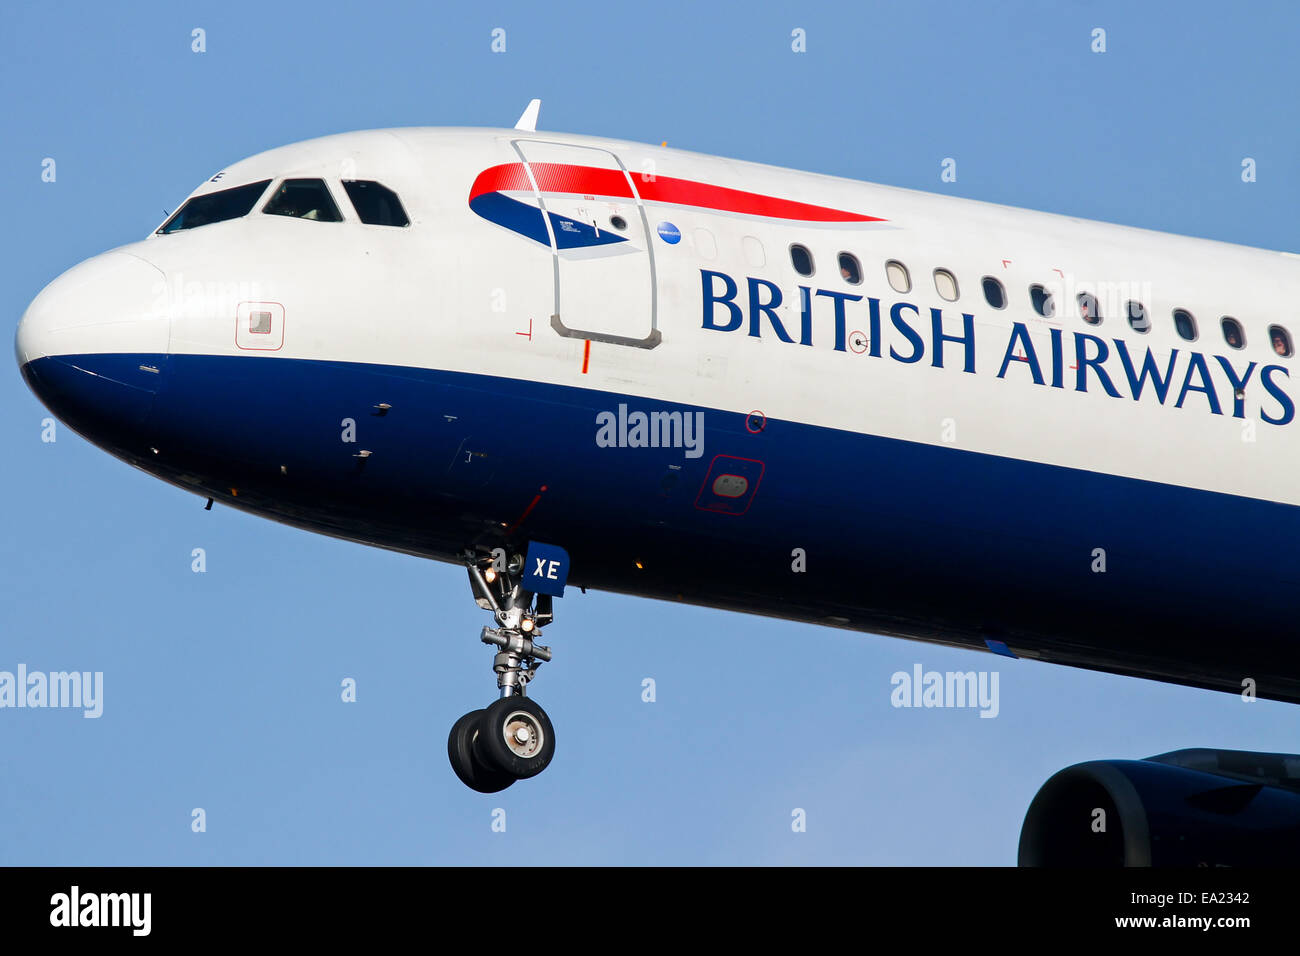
(573, 361)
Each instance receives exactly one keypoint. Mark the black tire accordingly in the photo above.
(494, 748)
(460, 750)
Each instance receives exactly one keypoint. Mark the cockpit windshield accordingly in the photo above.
(375, 203)
(215, 207)
(303, 199)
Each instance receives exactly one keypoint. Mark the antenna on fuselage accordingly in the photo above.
(528, 121)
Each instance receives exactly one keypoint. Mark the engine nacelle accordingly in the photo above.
(1185, 808)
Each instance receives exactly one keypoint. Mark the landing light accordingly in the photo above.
(526, 625)
(490, 575)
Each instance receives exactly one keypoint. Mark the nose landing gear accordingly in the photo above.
(511, 739)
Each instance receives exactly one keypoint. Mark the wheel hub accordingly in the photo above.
(522, 735)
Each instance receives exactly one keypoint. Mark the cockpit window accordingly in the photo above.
(215, 207)
(303, 199)
(375, 204)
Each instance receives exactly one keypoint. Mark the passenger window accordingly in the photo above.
(1042, 300)
(802, 260)
(705, 244)
(850, 271)
(303, 199)
(994, 294)
(1138, 319)
(215, 207)
(1088, 309)
(899, 278)
(1185, 324)
(1281, 340)
(377, 205)
(945, 283)
(1232, 332)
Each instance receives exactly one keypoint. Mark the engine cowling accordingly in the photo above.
(1194, 807)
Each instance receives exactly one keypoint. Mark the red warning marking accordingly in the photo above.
(527, 511)
(858, 342)
(1059, 273)
(529, 333)
(1005, 263)
(586, 356)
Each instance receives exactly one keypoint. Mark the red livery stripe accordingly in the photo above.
(511, 176)
(685, 192)
(587, 180)
(592, 181)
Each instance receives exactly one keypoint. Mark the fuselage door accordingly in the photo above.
(604, 271)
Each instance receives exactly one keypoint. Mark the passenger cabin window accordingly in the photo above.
(1185, 324)
(945, 283)
(1088, 308)
(994, 294)
(303, 199)
(802, 260)
(705, 244)
(899, 278)
(1138, 319)
(1280, 339)
(1042, 301)
(215, 207)
(850, 270)
(378, 205)
(1232, 332)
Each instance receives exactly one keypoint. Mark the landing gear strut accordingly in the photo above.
(511, 739)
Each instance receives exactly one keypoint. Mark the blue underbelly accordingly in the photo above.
(897, 537)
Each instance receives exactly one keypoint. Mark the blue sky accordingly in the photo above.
(222, 688)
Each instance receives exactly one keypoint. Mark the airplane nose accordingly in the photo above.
(93, 345)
